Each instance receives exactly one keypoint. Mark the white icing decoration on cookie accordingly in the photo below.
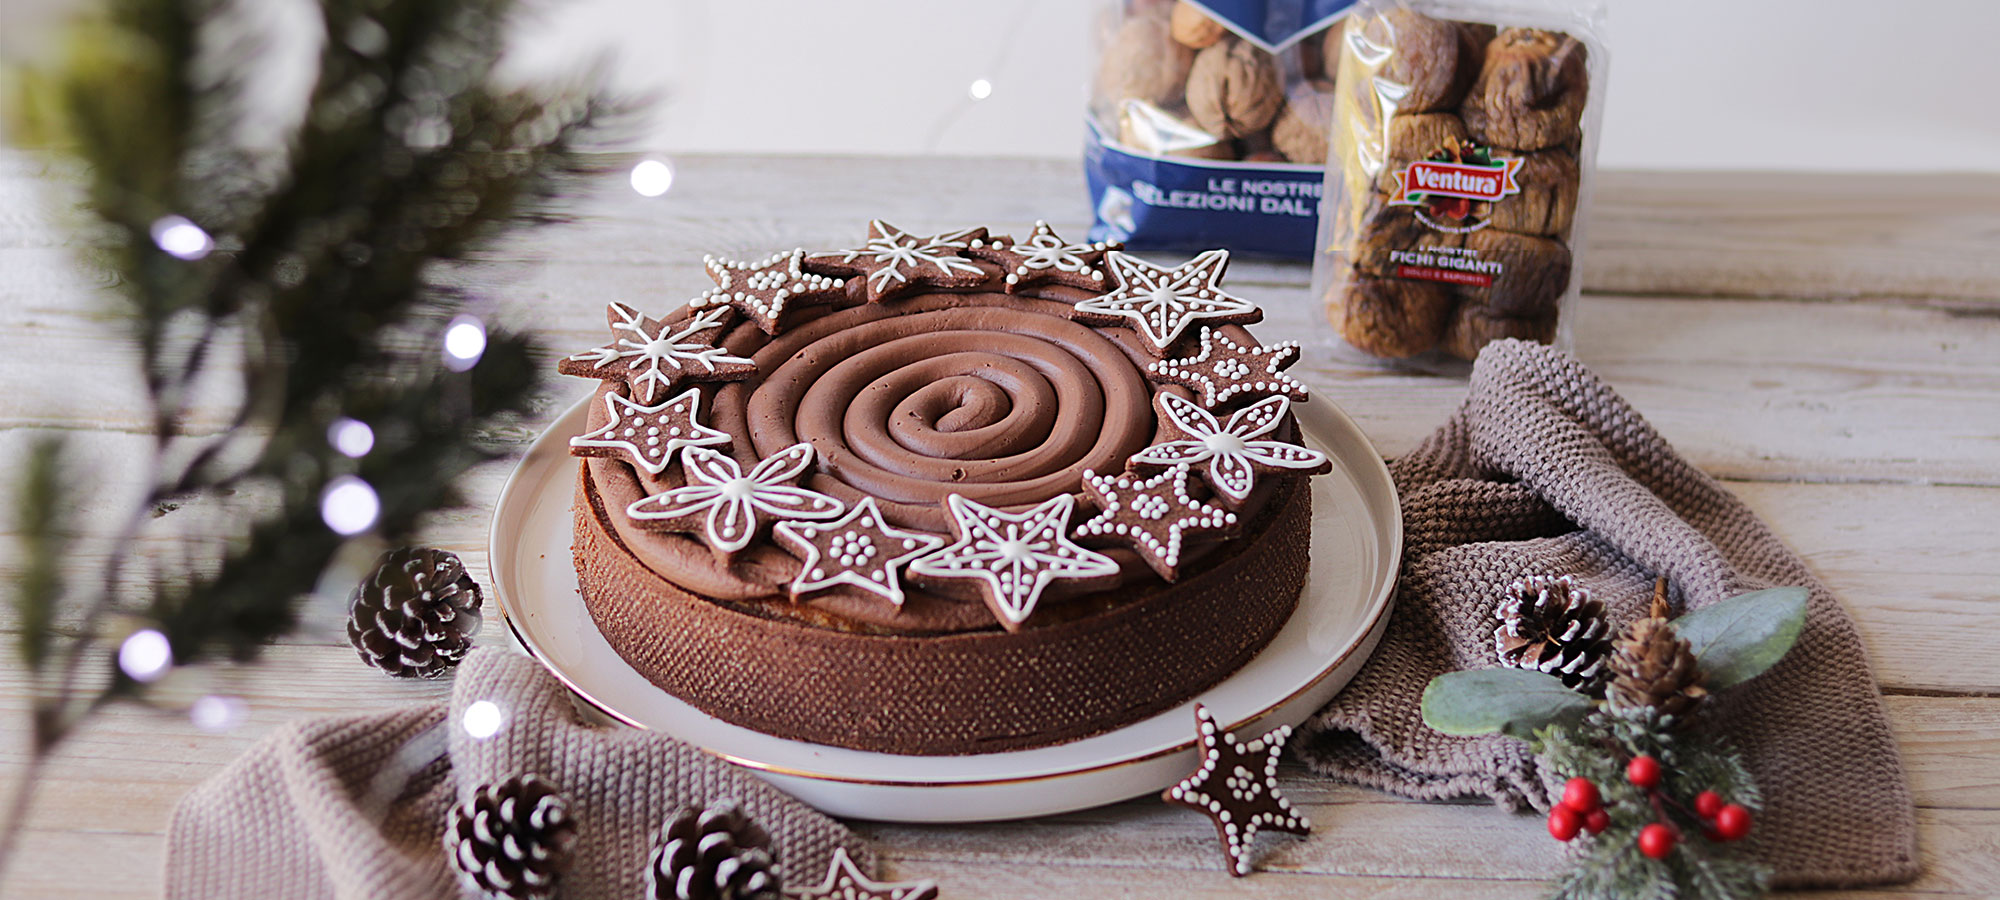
(1014, 556)
(1230, 450)
(863, 550)
(668, 348)
(896, 251)
(651, 435)
(1163, 302)
(732, 499)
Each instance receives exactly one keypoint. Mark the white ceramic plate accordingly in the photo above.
(1356, 543)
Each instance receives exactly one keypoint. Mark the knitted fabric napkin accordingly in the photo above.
(355, 806)
(1544, 470)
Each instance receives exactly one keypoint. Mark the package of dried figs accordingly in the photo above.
(1208, 123)
(1464, 139)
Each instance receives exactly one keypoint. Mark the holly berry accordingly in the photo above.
(1580, 795)
(1564, 823)
(1643, 771)
(1597, 821)
(1657, 840)
(1707, 804)
(1732, 822)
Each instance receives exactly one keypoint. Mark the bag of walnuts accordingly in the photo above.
(1464, 140)
(1208, 123)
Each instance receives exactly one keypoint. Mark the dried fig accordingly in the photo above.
(1532, 272)
(1547, 202)
(1430, 64)
(1475, 326)
(1233, 89)
(1530, 91)
(1301, 129)
(1144, 62)
(1391, 236)
(1390, 316)
(1412, 138)
(1192, 27)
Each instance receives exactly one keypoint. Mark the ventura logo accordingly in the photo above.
(1426, 179)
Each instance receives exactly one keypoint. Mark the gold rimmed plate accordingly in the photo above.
(1356, 544)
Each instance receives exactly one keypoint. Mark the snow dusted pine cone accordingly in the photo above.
(1552, 625)
(716, 853)
(511, 839)
(416, 613)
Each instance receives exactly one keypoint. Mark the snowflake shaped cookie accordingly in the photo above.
(648, 436)
(1224, 368)
(1154, 515)
(1013, 556)
(844, 881)
(654, 356)
(764, 289)
(1233, 452)
(1044, 257)
(894, 261)
(1161, 303)
(858, 549)
(1236, 785)
(725, 503)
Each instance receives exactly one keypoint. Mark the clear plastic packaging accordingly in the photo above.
(1208, 123)
(1461, 158)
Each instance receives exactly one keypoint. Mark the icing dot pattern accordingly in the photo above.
(858, 549)
(648, 436)
(1224, 370)
(844, 881)
(1154, 515)
(765, 289)
(1235, 452)
(893, 261)
(1045, 258)
(1013, 556)
(1236, 786)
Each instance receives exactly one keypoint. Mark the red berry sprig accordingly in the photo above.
(1581, 810)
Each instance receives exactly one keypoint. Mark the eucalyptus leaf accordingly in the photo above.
(1736, 639)
(1512, 701)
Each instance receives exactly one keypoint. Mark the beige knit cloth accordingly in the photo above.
(355, 806)
(1544, 470)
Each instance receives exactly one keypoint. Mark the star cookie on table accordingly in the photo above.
(725, 504)
(648, 436)
(1236, 785)
(653, 356)
(764, 289)
(1152, 514)
(1013, 555)
(1224, 369)
(894, 261)
(1044, 257)
(844, 881)
(858, 549)
(1161, 303)
(1233, 452)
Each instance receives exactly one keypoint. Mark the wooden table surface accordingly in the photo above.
(1828, 346)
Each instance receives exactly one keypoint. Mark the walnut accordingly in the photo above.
(1391, 316)
(1193, 28)
(1234, 89)
(1530, 91)
(1412, 138)
(1475, 326)
(1547, 202)
(1150, 129)
(1431, 61)
(1144, 62)
(1301, 129)
(1534, 272)
(1389, 234)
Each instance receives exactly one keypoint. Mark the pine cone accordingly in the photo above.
(1552, 625)
(716, 853)
(1652, 667)
(415, 614)
(511, 839)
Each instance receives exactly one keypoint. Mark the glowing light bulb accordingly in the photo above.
(652, 177)
(464, 343)
(216, 713)
(483, 719)
(352, 437)
(145, 655)
(349, 505)
(181, 238)
(980, 89)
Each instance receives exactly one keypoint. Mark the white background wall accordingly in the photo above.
(1902, 85)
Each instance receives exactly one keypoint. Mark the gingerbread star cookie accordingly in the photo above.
(1154, 515)
(1225, 369)
(1044, 258)
(765, 289)
(858, 549)
(844, 881)
(648, 436)
(653, 356)
(1014, 556)
(894, 261)
(1161, 303)
(1236, 785)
